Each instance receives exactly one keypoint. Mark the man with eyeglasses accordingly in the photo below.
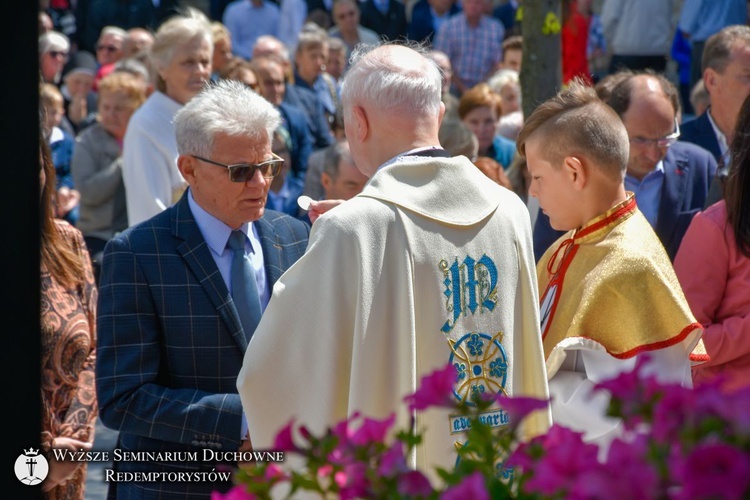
(181, 294)
(670, 179)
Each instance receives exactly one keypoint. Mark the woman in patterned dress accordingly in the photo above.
(68, 342)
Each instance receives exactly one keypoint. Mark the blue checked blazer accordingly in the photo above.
(170, 344)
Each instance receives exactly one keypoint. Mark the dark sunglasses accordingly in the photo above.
(243, 172)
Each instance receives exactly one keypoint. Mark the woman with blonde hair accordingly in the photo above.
(97, 161)
(181, 55)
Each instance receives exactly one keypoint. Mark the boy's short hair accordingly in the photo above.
(50, 95)
(514, 42)
(576, 122)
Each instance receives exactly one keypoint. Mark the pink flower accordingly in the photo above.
(325, 471)
(343, 431)
(714, 470)
(436, 390)
(372, 431)
(274, 473)
(393, 460)
(671, 413)
(284, 441)
(239, 492)
(520, 407)
(471, 487)
(632, 393)
(414, 484)
(625, 474)
(567, 457)
(352, 481)
(710, 401)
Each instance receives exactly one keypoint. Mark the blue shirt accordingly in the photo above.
(702, 18)
(502, 150)
(216, 234)
(247, 22)
(648, 192)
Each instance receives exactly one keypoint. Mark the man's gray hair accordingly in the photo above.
(225, 107)
(374, 78)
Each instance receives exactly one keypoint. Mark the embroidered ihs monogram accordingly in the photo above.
(469, 286)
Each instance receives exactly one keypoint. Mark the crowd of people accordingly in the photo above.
(190, 302)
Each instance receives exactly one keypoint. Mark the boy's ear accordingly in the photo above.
(576, 172)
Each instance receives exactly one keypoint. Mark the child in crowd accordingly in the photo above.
(608, 292)
(61, 144)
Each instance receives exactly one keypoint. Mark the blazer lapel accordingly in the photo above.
(198, 258)
(269, 243)
(676, 172)
(709, 140)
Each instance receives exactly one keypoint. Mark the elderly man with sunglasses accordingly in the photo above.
(670, 179)
(182, 292)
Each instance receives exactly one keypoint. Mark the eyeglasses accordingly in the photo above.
(108, 48)
(58, 53)
(243, 172)
(662, 142)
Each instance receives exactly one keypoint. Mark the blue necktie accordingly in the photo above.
(244, 289)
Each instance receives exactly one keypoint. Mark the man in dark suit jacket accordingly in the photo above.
(670, 179)
(726, 56)
(172, 330)
(293, 120)
(390, 22)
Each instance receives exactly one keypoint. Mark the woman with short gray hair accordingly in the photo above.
(181, 55)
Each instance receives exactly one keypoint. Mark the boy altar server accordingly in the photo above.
(608, 291)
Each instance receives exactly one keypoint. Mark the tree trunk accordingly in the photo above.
(541, 70)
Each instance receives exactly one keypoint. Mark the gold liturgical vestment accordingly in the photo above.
(610, 284)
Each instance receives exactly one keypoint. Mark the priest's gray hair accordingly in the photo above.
(226, 107)
(390, 80)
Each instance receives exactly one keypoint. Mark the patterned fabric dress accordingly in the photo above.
(68, 355)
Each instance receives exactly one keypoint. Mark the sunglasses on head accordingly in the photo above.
(243, 172)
